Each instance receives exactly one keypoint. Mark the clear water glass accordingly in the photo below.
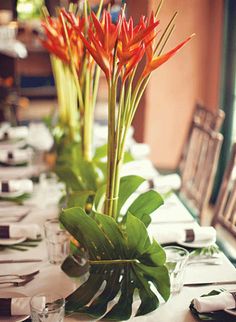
(47, 308)
(176, 262)
(57, 240)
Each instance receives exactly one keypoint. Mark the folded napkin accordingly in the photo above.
(19, 132)
(222, 301)
(167, 182)
(22, 185)
(140, 150)
(15, 156)
(19, 306)
(143, 168)
(30, 231)
(40, 137)
(165, 235)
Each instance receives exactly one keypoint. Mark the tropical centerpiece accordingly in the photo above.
(76, 78)
(122, 259)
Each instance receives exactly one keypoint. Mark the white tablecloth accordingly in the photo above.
(52, 278)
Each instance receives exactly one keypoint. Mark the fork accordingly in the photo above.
(21, 283)
(23, 276)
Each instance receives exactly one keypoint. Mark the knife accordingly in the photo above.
(11, 261)
(210, 283)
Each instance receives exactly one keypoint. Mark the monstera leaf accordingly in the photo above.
(122, 259)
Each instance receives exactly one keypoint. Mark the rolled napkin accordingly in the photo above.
(168, 182)
(18, 306)
(15, 156)
(18, 132)
(222, 301)
(140, 150)
(31, 231)
(166, 235)
(21, 185)
(40, 137)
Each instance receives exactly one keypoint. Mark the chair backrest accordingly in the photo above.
(209, 119)
(200, 166)
(225, 208)
(205, 118)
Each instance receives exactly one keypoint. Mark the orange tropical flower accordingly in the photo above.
(55, 39)
(153, 62)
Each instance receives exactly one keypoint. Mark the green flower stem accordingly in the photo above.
(111, 150)
(88, 121)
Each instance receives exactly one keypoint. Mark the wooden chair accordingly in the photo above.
(200, 167)
(205, 118)
(225, 209)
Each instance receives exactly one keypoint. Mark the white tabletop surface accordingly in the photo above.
(51, 276)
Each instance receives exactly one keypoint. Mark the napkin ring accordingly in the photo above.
(5, 187)
(189, 235)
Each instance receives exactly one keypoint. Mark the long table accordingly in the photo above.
(51, 276)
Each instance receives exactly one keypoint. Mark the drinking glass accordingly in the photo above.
(176, 260)
(58, 241)
(47, 308)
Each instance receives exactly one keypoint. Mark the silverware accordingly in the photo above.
(210, 283)
(11, 261)
(23, 276)
(213, 261)
(17, 284)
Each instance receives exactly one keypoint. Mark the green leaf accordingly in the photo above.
(79, 199)
(145, 204)
(99, 199)
(158, 275)
(101, 152)
(68, 176)
(128, 157)
(85, 229)
(149, 301)
(128, 185)
(88, 174)
(123, 309)
(121, 258)
(99, 306)
(75, 267)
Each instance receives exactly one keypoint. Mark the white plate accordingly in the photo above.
(197, 244)
(231, 312)
(13, 210)
(11, 241)
(18, 318)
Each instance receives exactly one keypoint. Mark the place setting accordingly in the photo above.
(117, 179)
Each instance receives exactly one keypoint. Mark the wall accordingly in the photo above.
(193, 74)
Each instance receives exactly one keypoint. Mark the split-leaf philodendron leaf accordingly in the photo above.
(123, 260)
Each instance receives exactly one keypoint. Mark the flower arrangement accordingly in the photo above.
(75, 73)
(121, 257)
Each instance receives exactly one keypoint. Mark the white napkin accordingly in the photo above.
(40, 137)
(30, 231)
(222, 301)
(165, 235)
(22, 185)
(21, 305)
(143, 168)
(18, 132)
(140, 150)
(165, 183)
(15, 156)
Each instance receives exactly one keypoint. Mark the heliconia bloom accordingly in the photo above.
(102, 40)
(153, 62)
(55, 39)
(131, 44)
